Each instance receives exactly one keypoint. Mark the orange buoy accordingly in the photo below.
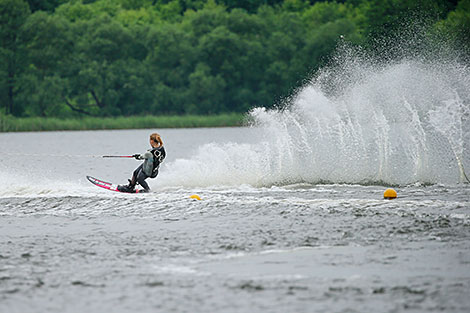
(195, 197)
(390, 193)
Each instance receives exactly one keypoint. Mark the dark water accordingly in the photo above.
(68, 246)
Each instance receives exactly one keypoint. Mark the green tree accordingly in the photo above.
(13, 14)
(206, 92)
(49, 45)
(203, 21)
(130, 57)
(44, 5)
(75, 11)
(42, 97)
(248, 5)
(391, 19)
(98, 73)
(456, 27)
(170, 60)
(134, 4)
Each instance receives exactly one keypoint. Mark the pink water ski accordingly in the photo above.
(106, 185)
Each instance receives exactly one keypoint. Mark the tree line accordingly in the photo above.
(135, 57)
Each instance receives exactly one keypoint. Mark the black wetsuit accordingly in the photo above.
(153, 159)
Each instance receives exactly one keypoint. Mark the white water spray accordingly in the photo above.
(358, 122)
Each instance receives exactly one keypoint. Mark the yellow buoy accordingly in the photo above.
(195, 197)
(390, 193)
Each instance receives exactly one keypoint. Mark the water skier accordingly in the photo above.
(152, 160)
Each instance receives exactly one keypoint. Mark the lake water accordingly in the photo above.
(256, 242)
(292, 216)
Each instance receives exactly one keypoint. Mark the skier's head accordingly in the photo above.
(156, 140)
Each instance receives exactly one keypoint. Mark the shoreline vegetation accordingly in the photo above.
(27, 124)
(83, 58)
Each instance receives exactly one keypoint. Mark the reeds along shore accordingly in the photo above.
(12, 124)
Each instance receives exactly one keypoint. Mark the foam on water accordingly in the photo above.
(357, 121)
(19, 185)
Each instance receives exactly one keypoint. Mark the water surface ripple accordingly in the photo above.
(302, 248)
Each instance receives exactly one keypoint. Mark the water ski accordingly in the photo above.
(112, 187)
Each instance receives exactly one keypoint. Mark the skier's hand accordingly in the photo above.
(136, 156)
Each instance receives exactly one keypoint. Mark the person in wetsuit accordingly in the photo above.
(152, 160)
